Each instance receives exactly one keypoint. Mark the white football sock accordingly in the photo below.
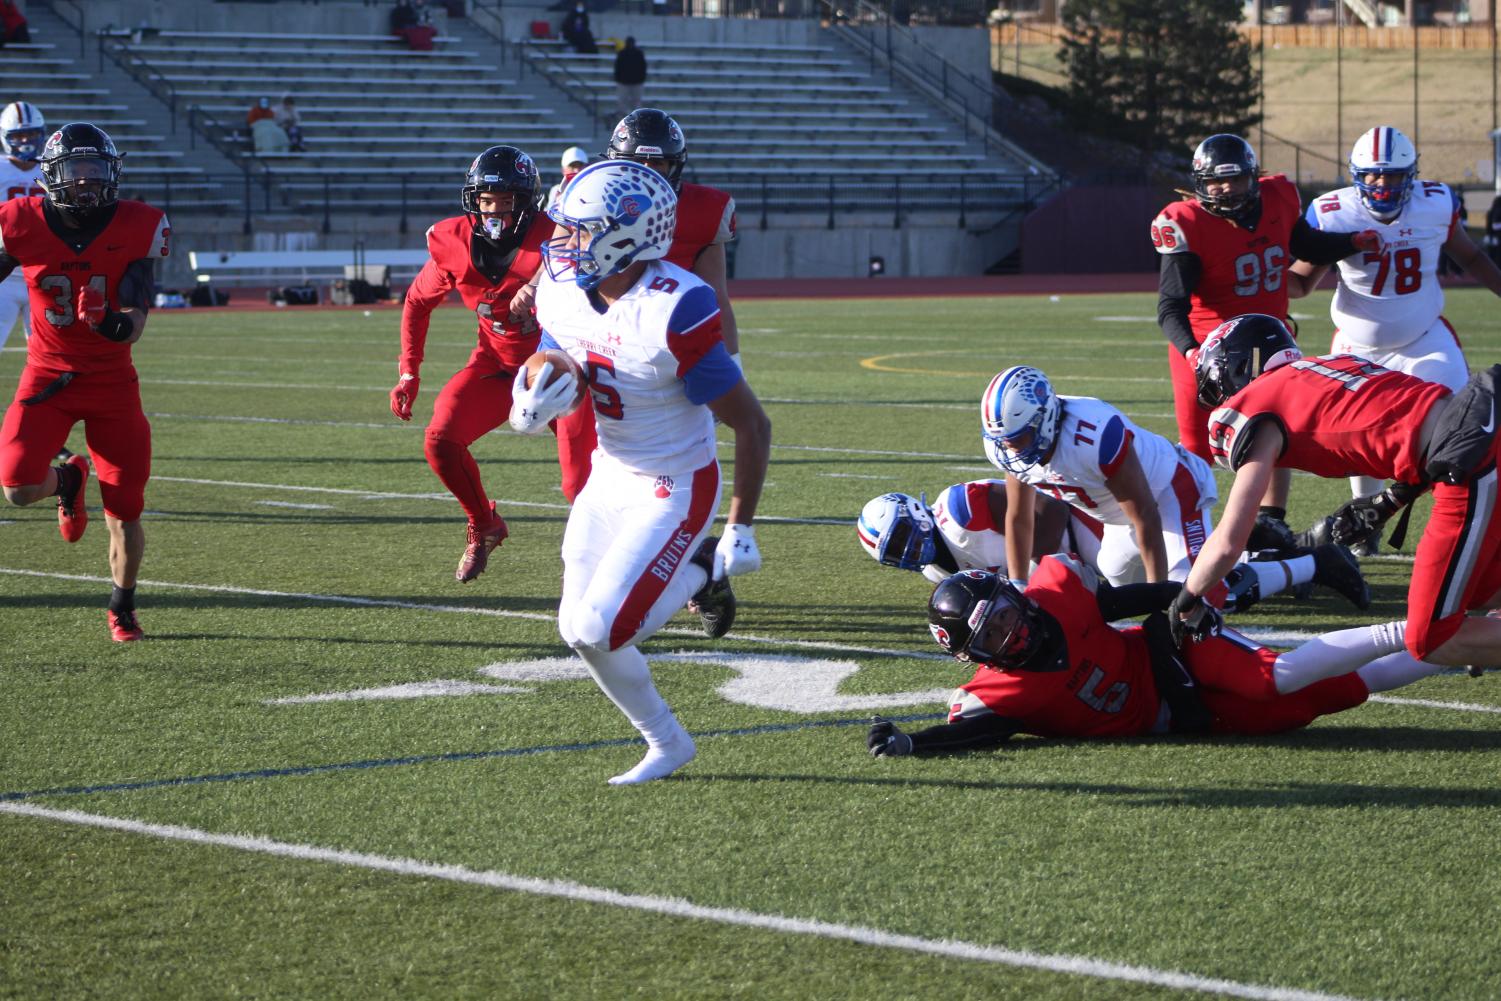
(668, 748)
(1336, 653)
(1274, 576)
(1395, 670)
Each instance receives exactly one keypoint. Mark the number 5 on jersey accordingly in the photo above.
(606, 397)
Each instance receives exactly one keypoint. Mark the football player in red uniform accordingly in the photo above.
(1225, 251)
(706, 216)
(491, 255)
(88, 259)
(1051, 664)
(1338, 415)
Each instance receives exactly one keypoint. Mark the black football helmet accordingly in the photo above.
(980, 617)
(1239, 350)
(502, 169)
(82, 169)
(648, 134)
(1221, 157)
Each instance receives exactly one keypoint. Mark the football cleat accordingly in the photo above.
(714, 604)
(481, 543)
(72, 516)
(1317, 534)
(1336, 569)
(124, 627)
(1271, 533)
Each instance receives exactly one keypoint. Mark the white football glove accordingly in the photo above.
(736, 553)
(532, 406)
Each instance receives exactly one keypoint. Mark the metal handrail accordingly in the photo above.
(575, 83)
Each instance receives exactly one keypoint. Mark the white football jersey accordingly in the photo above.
(18, 183)
(645, 419)
(1093, 441)
(1387, 300)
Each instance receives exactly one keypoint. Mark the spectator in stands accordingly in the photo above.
(575, 159)
(268, 137)
(412, 21)
(290, 120)
(12, 24)
(260, 110)
(576, 31)
(630, 74)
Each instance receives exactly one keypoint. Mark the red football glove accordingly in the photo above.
(404, 395)
(1367, 240)
(91, 306)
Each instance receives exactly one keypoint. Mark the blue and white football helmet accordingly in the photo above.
(620, 213)
(1020, 413)
(21, 130)
(1384, 150)
(897, 531)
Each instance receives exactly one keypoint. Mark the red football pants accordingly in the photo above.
(115, 427)
(476, 401)
(1193, 422)
(1457, 566)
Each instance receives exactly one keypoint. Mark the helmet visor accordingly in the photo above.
(906, 545)
(23, 144)
(85, 180)
(1001, 632)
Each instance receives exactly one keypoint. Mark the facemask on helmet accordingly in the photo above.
(980, 617)
(502, 171)
(1020, 414)
(1225, 157)
(1384, 165)
(897, 531)
(82, 170)
(22, 130)
(1237, 351)
(617, 213)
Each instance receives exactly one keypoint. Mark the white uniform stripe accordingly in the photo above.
(1085, 966)
(1483, 501)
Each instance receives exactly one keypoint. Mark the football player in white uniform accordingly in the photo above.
(1388, 306)
(21, 133)
(1152, 495)
(647, 335)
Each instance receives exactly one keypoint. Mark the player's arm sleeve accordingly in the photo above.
(1131, 601)
(137, 285)
(968, 733)
(694, 337)
(1318, 247)
(7, 264)
(1178, 277)
(427, 291)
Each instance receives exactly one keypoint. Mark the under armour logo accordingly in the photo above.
(741, 547)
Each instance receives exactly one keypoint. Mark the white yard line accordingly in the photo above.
(678, 908)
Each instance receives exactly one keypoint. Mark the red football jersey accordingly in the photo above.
(704, 213)
(451, 266)
(1243, 269)
(1341, 416)
(55, 270)
(1107, 689)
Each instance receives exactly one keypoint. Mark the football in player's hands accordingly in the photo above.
(91, 305)
(562, 362)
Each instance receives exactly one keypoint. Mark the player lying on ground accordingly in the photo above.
(962, 531)
(1050, 663)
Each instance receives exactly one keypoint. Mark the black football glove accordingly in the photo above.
(1363, 518)
(1192, 619)
(886, 741)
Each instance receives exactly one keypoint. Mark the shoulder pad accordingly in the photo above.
(1168, 236)
(1085, 574)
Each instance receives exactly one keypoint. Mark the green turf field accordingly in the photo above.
(227, 811)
